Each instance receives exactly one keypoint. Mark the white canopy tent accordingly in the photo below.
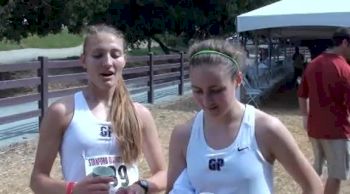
(297, 18)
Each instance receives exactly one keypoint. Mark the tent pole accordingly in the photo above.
(285, 51)
(256, 44)
(270, 52)
(278, 46)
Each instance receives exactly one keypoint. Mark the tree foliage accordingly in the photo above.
(139, 19)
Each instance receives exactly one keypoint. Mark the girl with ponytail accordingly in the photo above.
(100, 130)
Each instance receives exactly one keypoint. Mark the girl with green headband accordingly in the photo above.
(230, 147)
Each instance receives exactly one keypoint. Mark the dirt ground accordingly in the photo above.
(17, 160)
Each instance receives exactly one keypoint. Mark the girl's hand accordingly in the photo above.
(93, 185)
(132, 189)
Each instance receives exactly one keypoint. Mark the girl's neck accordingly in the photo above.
(98, 95)
(235, 114)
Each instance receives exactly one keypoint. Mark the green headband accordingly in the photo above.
(203, 52)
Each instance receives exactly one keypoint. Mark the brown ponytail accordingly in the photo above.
(126, 123)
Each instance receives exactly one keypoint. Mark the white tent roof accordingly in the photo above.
(294, 17)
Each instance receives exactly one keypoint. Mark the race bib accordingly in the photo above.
(121, 171)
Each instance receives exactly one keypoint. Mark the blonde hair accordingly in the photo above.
(216, 52)
(123, 114)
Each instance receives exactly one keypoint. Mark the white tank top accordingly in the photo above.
(88, 143)
(239, 168)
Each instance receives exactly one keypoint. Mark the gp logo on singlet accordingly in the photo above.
(105, 131)
(215, 164)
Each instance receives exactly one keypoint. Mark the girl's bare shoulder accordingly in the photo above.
(63, 105)
(58, 115)
(266, 123)
(182, 132)
(143, 113)
(269, 129)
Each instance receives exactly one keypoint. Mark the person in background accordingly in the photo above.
(298, 64)
(324, 101)
(99, 127)
(230, 147)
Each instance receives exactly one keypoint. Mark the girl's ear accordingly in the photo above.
(82, 60)
(238, 79)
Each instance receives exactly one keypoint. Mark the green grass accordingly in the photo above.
(60, 40)
(5, 46)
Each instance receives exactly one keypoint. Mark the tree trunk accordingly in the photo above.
(149, 45)
(164, 48)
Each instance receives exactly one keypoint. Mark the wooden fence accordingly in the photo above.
(142, 74)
